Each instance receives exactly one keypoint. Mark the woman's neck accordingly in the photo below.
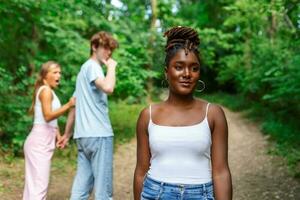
(180, 100)
(46, 84)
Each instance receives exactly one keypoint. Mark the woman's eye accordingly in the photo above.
(195, 69)
(178, 67)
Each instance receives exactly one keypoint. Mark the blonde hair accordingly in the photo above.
(40, 80)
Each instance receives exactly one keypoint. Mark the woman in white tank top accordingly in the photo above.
(40, 143)
(182, 142)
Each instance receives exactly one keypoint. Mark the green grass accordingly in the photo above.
(282, 127)
(123, 118)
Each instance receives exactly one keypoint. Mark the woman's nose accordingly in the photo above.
(187, 72)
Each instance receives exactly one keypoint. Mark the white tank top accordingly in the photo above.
(180, 154)
(38, 113)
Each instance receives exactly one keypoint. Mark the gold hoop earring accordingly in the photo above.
(203, 86)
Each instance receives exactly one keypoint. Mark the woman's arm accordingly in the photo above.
(68, 130)
(219, 152)
(58, 136)
(46, 101)
(143, 153)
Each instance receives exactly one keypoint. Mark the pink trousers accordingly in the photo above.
(38, 149)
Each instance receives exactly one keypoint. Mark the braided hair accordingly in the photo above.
(181, 37)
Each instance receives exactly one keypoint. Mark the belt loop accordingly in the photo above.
(204, 191)
(160, 190)
(182, 189)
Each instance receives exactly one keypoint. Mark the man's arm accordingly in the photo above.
(107, 84)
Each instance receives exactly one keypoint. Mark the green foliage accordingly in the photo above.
(60, 30)
(264, 63)
(124, 117)
(14, 123)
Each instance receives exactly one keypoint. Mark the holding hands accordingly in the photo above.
(62, 141)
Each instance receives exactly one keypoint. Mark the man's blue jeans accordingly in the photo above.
(94, 169)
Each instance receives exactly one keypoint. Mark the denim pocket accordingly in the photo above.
(151, 191)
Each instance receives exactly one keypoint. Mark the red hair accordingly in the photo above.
(103, 39)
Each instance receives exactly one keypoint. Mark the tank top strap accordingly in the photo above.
(206, 110)
(150, 113)
(40, 89)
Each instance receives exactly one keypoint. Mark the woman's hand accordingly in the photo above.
(62, 142)
(72, 102)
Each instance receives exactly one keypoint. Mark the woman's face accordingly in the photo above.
(53, 76)
(183, 72)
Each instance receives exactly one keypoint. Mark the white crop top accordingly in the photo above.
(38, 113)
(180, 154)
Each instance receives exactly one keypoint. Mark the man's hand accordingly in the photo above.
(109, 62)
(62, 142)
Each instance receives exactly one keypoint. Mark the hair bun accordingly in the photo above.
(182, 35)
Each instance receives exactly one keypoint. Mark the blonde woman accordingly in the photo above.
(40, 143)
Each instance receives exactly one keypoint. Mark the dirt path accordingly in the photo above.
(256, 174)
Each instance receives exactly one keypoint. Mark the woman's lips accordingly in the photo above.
(185, 83)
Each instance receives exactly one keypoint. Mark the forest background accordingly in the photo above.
(250, 53)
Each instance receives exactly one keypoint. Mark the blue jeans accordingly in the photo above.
(94, 169)
(156, 190)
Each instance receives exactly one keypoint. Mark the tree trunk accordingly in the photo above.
(273, 22)
(151, 47)
(32, 50)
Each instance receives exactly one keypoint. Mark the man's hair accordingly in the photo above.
(103, 39)
(181, 37)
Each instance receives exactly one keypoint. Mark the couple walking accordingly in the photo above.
(93, 132)
(181, 142)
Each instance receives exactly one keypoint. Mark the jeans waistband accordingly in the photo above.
(188, 186)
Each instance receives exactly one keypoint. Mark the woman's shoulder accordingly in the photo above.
(208, 103)
(212, 108)
(44, 90)
(144, 117)
(44, 87)
(148, 110)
